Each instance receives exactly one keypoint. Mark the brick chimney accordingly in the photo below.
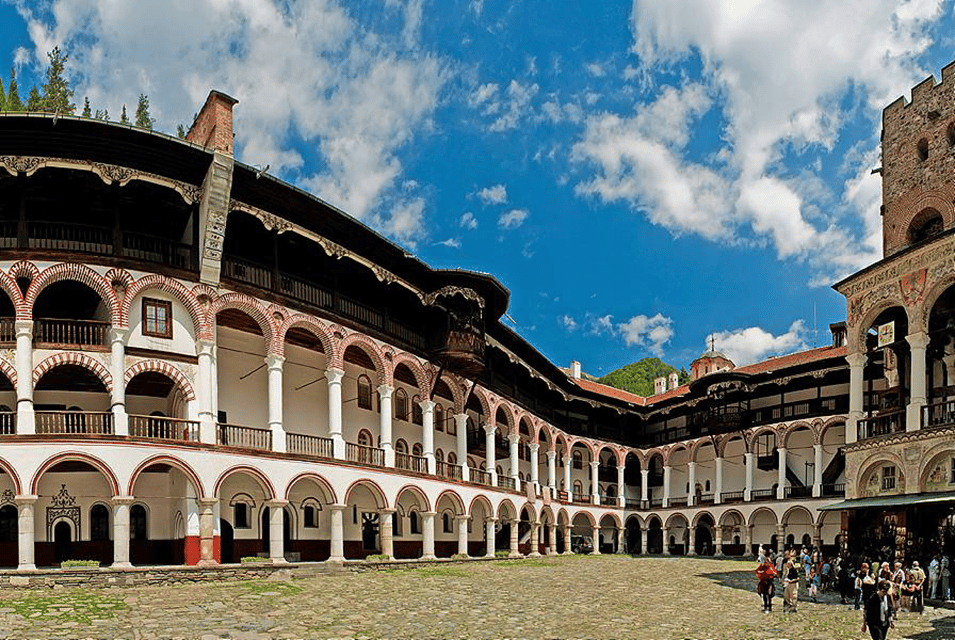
(213, 126)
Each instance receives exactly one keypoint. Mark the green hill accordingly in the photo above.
(638, 377)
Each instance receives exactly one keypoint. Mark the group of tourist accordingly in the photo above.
(879, 590)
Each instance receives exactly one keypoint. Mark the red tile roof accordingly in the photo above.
(610, 392)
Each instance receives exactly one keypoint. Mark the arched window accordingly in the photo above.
(401, 447)
(926, 224)
(137, 523)
(578, 460)
(364, 392)
(413, 522)
(364, 438)
(438, 417)
(417, 414)
(310, 517)
(520, 476)
(707, 487)
(416, 450)
(401, 405)
(8, 523)
(578, 487)
(99, 522)
(439, 456)
(452, 429)
(452, 458)
(448, 522)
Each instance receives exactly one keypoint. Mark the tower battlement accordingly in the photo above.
(923, 95)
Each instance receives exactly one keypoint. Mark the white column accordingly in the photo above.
(691, 494)
(274, 364)
(817, 471)
(534, 540)
(489, 460)
(461, 426)
(620, 541)
(338, 533)
(856, 388)
(552, 470)
(535, 462)
(567, 544)
(594, 482)
(427, 434)
(206, 390)
(748, 490)
(276, 532)
(387, 540)
(781, 480)
(26, 420)
(515, 550)
(117, 340)
(26, 539)
(513, 441)
(621, 488)
(568, 480)
(644, 487)
(780, 537)
(552, 546)
(427, 535)
(462, 522)
(121, 505)
(207, 530)
(595, 535)
(667, 472)
(490, 530)
(334, 377)
(691, 541)
(384, 423)
(917, 376)
(718, 543)
(747, 540)
(718, 495)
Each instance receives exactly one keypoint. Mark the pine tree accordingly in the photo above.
(13, 94)
(57, 94)
(35, 100)
(124, 119)
(181, 131)
(142, 113)
(105, 117)
(3, 97)
(87, 111)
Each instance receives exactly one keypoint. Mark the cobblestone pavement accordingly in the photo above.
(560, 597)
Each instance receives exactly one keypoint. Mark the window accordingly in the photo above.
(413, 522)
(137, 523)
(310, 517)
(448, 522)
(416, 450)
(240, 514)
(364, 392)
(923, 149)
(99, 522)
(452, 426)
(439, 456)
(417, 414)
(157, 318)
(578, 460)
(888, 478)
(396, 524)
(401, 405)
(364, 438)
(707, 489)
(578, 487)
(453, 459)
(438, 417)
(401, 447)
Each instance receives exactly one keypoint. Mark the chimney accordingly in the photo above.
(659, 386)
(838, 330)
(575, 370)
(213, 126)
(673, 381)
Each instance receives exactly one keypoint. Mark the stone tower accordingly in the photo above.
(918, 164)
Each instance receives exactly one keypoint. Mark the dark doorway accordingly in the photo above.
(63, 541)
(633, 537)
(226, 538)
(266, 529)
(703, 542)
(369, 531)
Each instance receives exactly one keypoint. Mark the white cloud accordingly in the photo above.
(513, 106)
(405, 222)
(754, 344)
(496, 194)
(513, 219)
(595, 69)
(453, 243)
(485, 96)
(306, 74)
(468, 221)
(651, 332)
(568, 323)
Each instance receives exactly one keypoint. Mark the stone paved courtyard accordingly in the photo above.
(560, 597)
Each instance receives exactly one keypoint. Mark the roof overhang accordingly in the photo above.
(902, 500)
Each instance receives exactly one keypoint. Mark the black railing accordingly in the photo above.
(881, 425)
(762, 494)
(833, 490)
(8, 330)
(797, 492)
(315, 446)
(731, 496)
(8, 234)
(306, 292)
(158, 250)
(801, 409)
(8, 423)
(80, 238)
(248, 272)
(163, 428)
(365, 455)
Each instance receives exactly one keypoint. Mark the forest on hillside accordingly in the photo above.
(638, 377)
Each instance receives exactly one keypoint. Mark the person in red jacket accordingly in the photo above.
(766, 585)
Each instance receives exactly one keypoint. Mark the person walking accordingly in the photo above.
(812, 583)
(917, 578)
(879, 614)
(766, 584)
(932, 580)
(943, 578)
(791, 582)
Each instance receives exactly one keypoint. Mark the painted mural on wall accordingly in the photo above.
(939, 477)
(884, 479)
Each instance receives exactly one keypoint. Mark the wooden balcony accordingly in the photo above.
(881, 425)
(938, 414)
(361, 454)
(581, 498)
(233, 435)
(731, 496)
(74, 333)
(74, 422)
(162, 428)
(834, 490)
(479, 476)
(8, 423)
(408, 462)
(8, 331)
(449, 471)
(306, 445)
(763, 494)
(608, 501)
(506, 482)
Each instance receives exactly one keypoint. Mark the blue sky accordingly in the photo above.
(640, 175)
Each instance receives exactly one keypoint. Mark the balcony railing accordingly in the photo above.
(158, 250)
(314, 446)
(882, 425)
(938, 414)
(8, 423)
(74, 422)
(163, 428)
(763, 494)
(8, 330)
(233, 435)
(506, 482)
(479, 476)
(656, 503)
(608, 501)
(448, 470)
(678, 502)
(706, 498)
(70, 237)
(84, 333)
(634, 503)
(833, 490)
(581, 498)
(364, 455)
(797, 492)
(409, 462)
(731, 496)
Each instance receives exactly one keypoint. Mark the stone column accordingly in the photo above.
(206, 390)
(384, 423)
(917, 376)
(26, 538)
(644, 531)
(276, 533)
(691, 541)
(461, 426)
(748, 491)
(567, 542)
(117, 369)
(207, 531)
(856, 390)
(621, 488)
(26, 419)
(718, 494)
(489, 453)
(817, 474)
(121, 505)
(535, 462)
(338, 532)
(514, 440)
(490, 531)
(552, 470)
(427, 535)
(568, 478)
(515, 551)
(691, 494)
(274, 364)
(666, 541)
(621, 543)
(552, 543)
(644, 488)
(667, 472)
(595, 536)
(718, 543)
(817, 536)
(534, 540)
(594, 482)
(781, 478)
(748, 539)
(462, 522)
(781, 537)
(427, 434)
(334, 377)
(387, 541)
